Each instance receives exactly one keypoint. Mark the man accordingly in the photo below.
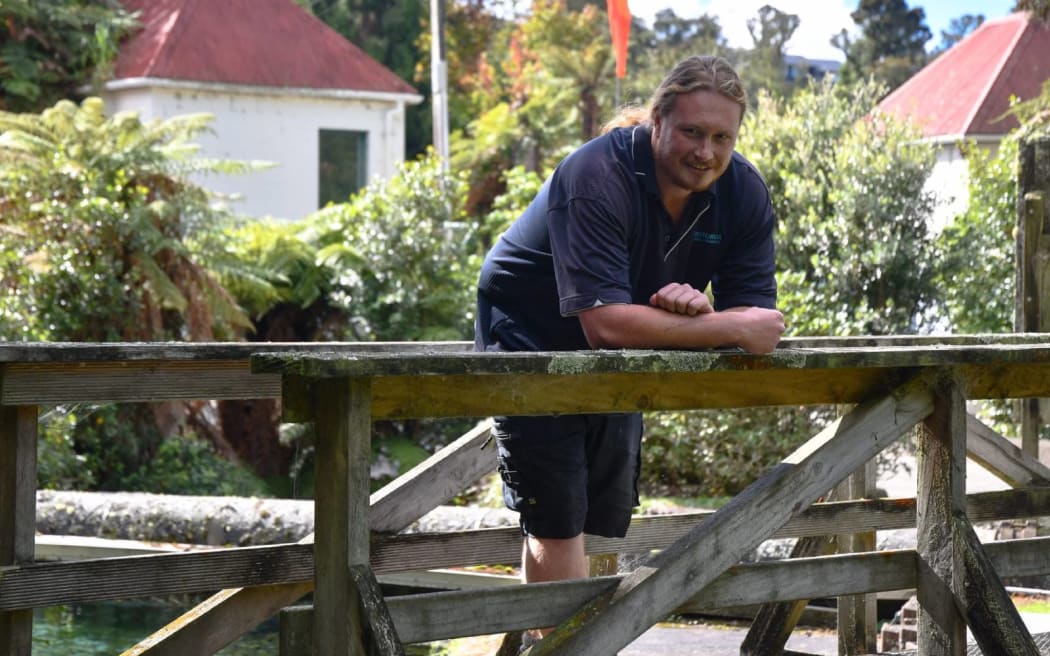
(616, 251)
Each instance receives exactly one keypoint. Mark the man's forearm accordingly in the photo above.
(641, 326)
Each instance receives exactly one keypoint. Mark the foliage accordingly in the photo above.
(387, 30)
(186, 464)
(105, 238)
(853, 252)
(977, 272)
(1039, 8)
(764, 69)
(957, 30)
(49, 48)
(554, 83)
(723, 451)
(397, 250)
(892, 43)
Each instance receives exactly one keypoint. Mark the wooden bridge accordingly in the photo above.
(891, 384)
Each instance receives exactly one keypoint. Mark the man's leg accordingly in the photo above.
(551, 559)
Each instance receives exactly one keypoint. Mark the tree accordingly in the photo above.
(892, 44)
(397, 252)
(104, 236)
(1039, 8)
(388, 30)
(770, 31)
(50, 48)
(957, 30)
(853, 252)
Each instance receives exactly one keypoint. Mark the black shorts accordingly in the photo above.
(570, 474)
(564, 475)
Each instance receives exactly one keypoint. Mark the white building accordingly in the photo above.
(963, 95)
(283, 87)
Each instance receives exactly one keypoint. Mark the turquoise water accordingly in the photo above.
(108, 629)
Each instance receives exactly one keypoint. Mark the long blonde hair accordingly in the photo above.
(695, 73)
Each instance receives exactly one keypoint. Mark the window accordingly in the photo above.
(342, 165)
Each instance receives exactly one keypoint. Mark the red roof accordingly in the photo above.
(966, 89)
(272, 43)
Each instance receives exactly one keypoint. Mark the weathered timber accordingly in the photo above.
(774, 622)
(230, 613)
(343, 420)
(443, 615)
(1032, 267)
(857, 613)
(17, 510)
(379, 635)
(441, 476)
(993, 619)
(646, 595)
(999, 456)
(941, 496)
(46, 584)
(83, 352)
(49, 584)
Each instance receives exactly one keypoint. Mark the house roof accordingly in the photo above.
(271, 43)
(966, 90)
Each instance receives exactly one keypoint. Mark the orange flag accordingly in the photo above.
(620, 26)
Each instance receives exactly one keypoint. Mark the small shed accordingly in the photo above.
(283, 87)
(963, 94)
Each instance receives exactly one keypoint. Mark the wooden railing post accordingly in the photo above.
(1032, 312)
(940, 498)
(857, 613)
(342, 412)
(18, 430)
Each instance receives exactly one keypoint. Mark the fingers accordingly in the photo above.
(681, 299)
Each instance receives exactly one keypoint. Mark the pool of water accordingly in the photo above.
(106, 629)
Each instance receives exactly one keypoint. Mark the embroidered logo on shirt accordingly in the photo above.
(707, 237)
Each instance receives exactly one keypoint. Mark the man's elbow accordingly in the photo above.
(602, 334)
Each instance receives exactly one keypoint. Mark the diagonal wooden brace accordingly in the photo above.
(613, 620)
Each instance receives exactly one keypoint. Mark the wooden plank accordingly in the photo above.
(84, 352)
(999, 456)
(941, 496)
(45, 584)
(380, 636)
(343, 421)
(1032, 276)
(649, 593)
(774, 622)
(50, 584)
(994, 620)
(459, 396)
(433, 481)
(104, 382)
(230, 613)
(513, 394)
(211, 630)
(18, 441)
(439, 616)
(336, 364)
(857, 613)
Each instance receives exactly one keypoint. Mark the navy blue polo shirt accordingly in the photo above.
(597, 233)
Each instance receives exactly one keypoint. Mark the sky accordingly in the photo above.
(819, 20)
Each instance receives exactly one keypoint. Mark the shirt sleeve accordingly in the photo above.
(746, 277)
(589, 244)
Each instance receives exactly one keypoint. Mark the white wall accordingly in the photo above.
(949, 181)
(274, 127)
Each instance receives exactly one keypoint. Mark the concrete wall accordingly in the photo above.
(278, 127)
